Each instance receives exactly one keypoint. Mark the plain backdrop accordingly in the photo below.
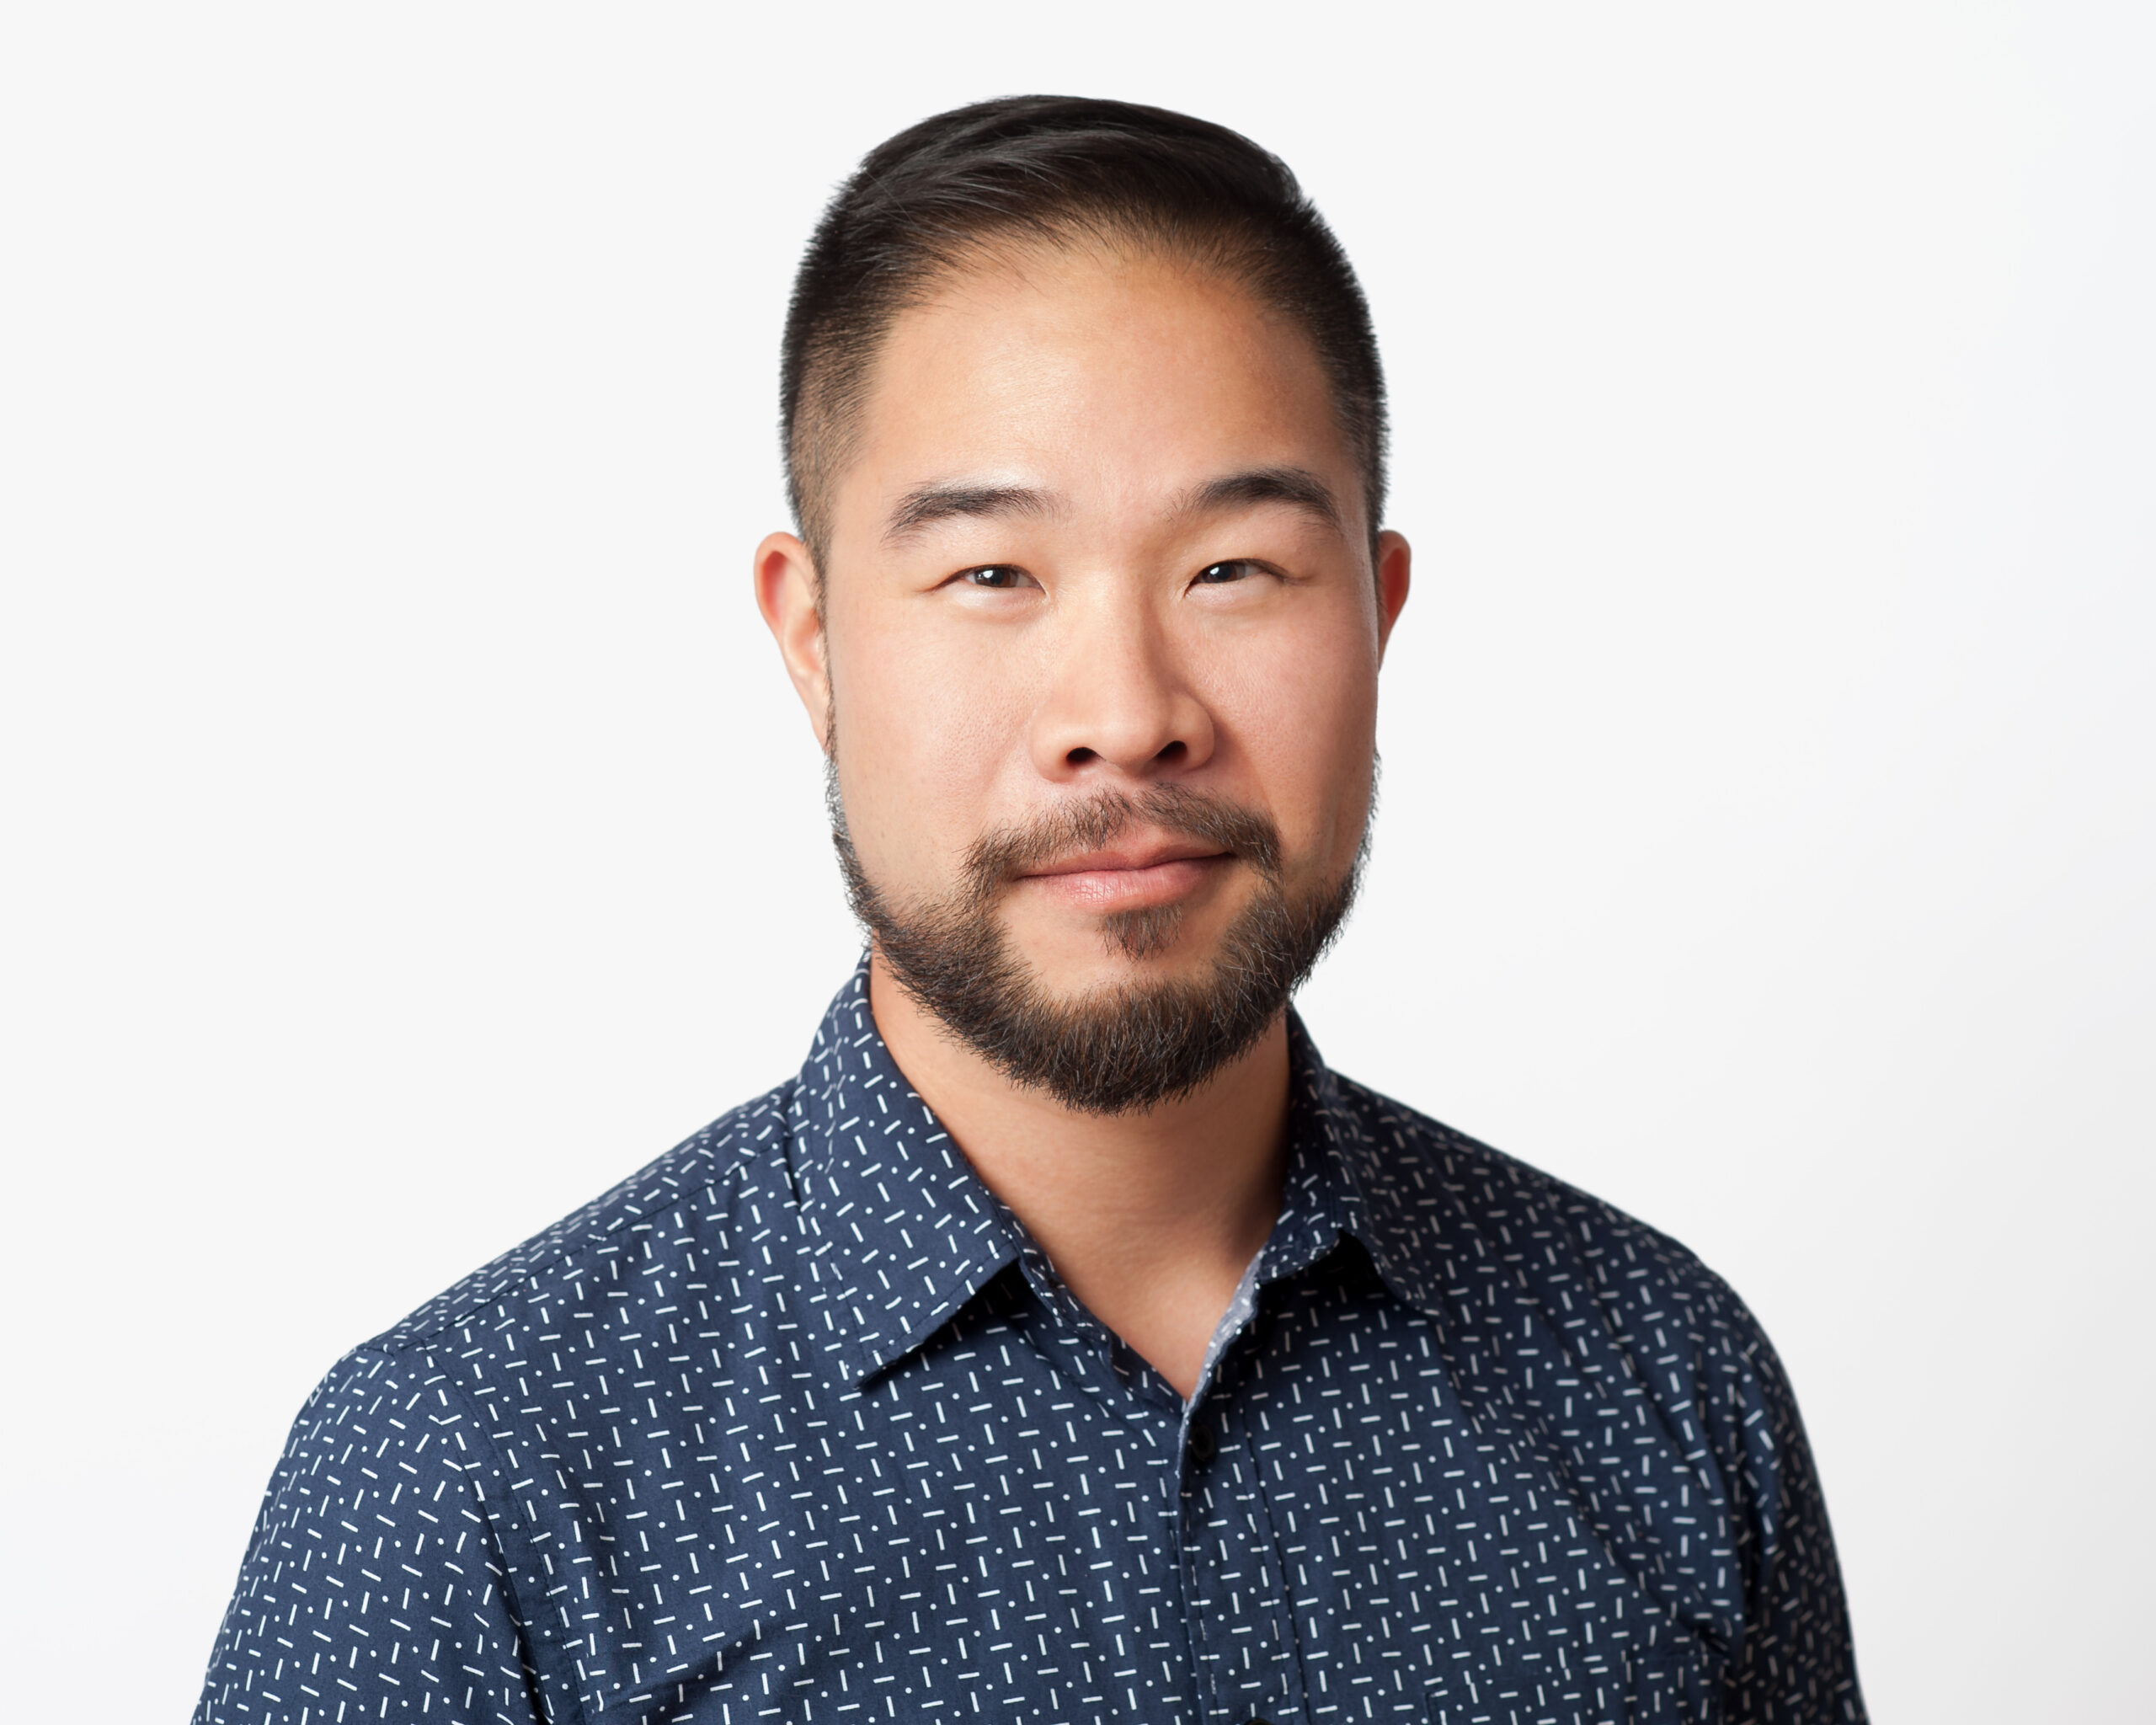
(409, 831)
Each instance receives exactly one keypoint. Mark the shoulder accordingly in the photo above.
(693, 1189)
(1631, 1367)
(1481, 1230)
(1560, 1312)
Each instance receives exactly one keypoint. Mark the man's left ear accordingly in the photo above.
(1393, 559)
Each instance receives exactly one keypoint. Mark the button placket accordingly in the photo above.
(1242, 1633)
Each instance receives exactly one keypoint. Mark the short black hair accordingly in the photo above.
(944, 193)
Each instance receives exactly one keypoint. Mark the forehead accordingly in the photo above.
(1115, 377)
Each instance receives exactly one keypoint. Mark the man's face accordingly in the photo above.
(1100, 633)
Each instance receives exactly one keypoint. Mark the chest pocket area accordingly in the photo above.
(1671, 1685)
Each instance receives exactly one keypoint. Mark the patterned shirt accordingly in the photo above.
(798, 1424)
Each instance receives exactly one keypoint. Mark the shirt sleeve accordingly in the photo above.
(1796, 1664)
(373, 1587)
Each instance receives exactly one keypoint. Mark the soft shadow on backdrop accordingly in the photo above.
(412, 832)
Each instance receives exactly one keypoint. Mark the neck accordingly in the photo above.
(1149, 1218)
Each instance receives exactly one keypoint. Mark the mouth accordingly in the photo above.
(1134, 875)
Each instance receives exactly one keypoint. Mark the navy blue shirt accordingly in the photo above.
(798, 1424)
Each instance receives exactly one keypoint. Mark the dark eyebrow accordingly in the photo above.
(1296, 487)
(943, 502)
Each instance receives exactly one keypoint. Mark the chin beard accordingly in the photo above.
(1122, 1047)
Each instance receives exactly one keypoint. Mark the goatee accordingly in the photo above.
(1119, 1048)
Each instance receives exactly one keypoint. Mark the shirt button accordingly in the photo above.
(1204, 1447)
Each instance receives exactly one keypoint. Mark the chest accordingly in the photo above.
(1348, 1526)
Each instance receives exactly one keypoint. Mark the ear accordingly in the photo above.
(785, 594)
(1393, 560)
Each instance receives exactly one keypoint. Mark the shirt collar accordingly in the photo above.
(1347, 1179)
(902, 1232)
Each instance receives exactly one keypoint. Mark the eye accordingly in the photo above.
(1215, 574)
(997, 577)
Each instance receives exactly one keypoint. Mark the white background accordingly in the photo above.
(409, 831)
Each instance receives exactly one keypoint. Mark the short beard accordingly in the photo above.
(1127, 1047)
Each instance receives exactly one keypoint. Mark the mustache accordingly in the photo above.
(1001, 856)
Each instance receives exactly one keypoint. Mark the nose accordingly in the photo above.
(1119, 702)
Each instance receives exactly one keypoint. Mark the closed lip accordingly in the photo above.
(1126, 857)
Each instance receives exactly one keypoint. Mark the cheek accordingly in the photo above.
(1305, 715)
(926, 722)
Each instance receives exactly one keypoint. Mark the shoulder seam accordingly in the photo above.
(1573, 1205)
(396, 1343)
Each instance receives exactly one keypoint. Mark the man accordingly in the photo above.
(1066, 1342)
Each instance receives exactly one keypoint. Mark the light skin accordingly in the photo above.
(1098, 530)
